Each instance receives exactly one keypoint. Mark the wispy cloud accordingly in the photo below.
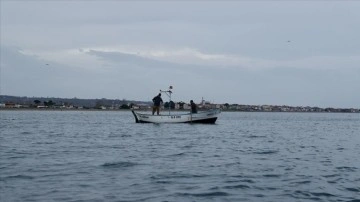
(96, 57)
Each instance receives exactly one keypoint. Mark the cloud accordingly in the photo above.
(192, 57)
(139, 78)
(97, 58)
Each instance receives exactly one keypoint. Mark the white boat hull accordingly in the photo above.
(209, 116)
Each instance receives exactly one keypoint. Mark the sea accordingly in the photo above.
(93, 156)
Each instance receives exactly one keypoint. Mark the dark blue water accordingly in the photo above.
(106, 156)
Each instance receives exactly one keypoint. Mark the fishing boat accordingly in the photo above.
(208, 116)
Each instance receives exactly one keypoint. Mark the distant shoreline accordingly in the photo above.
(163, 111)
(72, 104)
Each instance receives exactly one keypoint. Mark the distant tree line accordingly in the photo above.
(85, 103)
(36, 102)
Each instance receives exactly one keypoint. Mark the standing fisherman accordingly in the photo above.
(193, 107)
(157, 102)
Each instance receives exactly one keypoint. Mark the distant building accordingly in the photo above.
(267, 108)
(187, 106)
(12, 105)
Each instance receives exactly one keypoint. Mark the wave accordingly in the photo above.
(321, 194)
(272, 175)
(122, 164)
(318, 196)
(266, 152)
(25, 177)
(178, 154)
(345, 168)
(302, 182)
(239, 186)
(176, 175)
(255, 136)
(353, 189)
(26, 133)
(206, 194)
(331, 176)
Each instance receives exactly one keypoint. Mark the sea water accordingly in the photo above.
(106, 156)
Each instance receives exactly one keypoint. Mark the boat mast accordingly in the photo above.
(168, 93)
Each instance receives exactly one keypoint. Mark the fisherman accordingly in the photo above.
(193, 107)
(157, 102)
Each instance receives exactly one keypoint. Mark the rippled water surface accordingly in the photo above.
(106, 156)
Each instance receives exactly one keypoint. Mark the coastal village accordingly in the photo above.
(15, 102)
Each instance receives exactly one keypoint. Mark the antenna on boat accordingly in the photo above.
(168, 93)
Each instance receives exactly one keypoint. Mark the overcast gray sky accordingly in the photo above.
(299, 53)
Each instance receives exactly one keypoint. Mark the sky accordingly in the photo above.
(297, 53)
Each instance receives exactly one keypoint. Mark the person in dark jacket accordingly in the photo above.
(157, 102)
(193, 107)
